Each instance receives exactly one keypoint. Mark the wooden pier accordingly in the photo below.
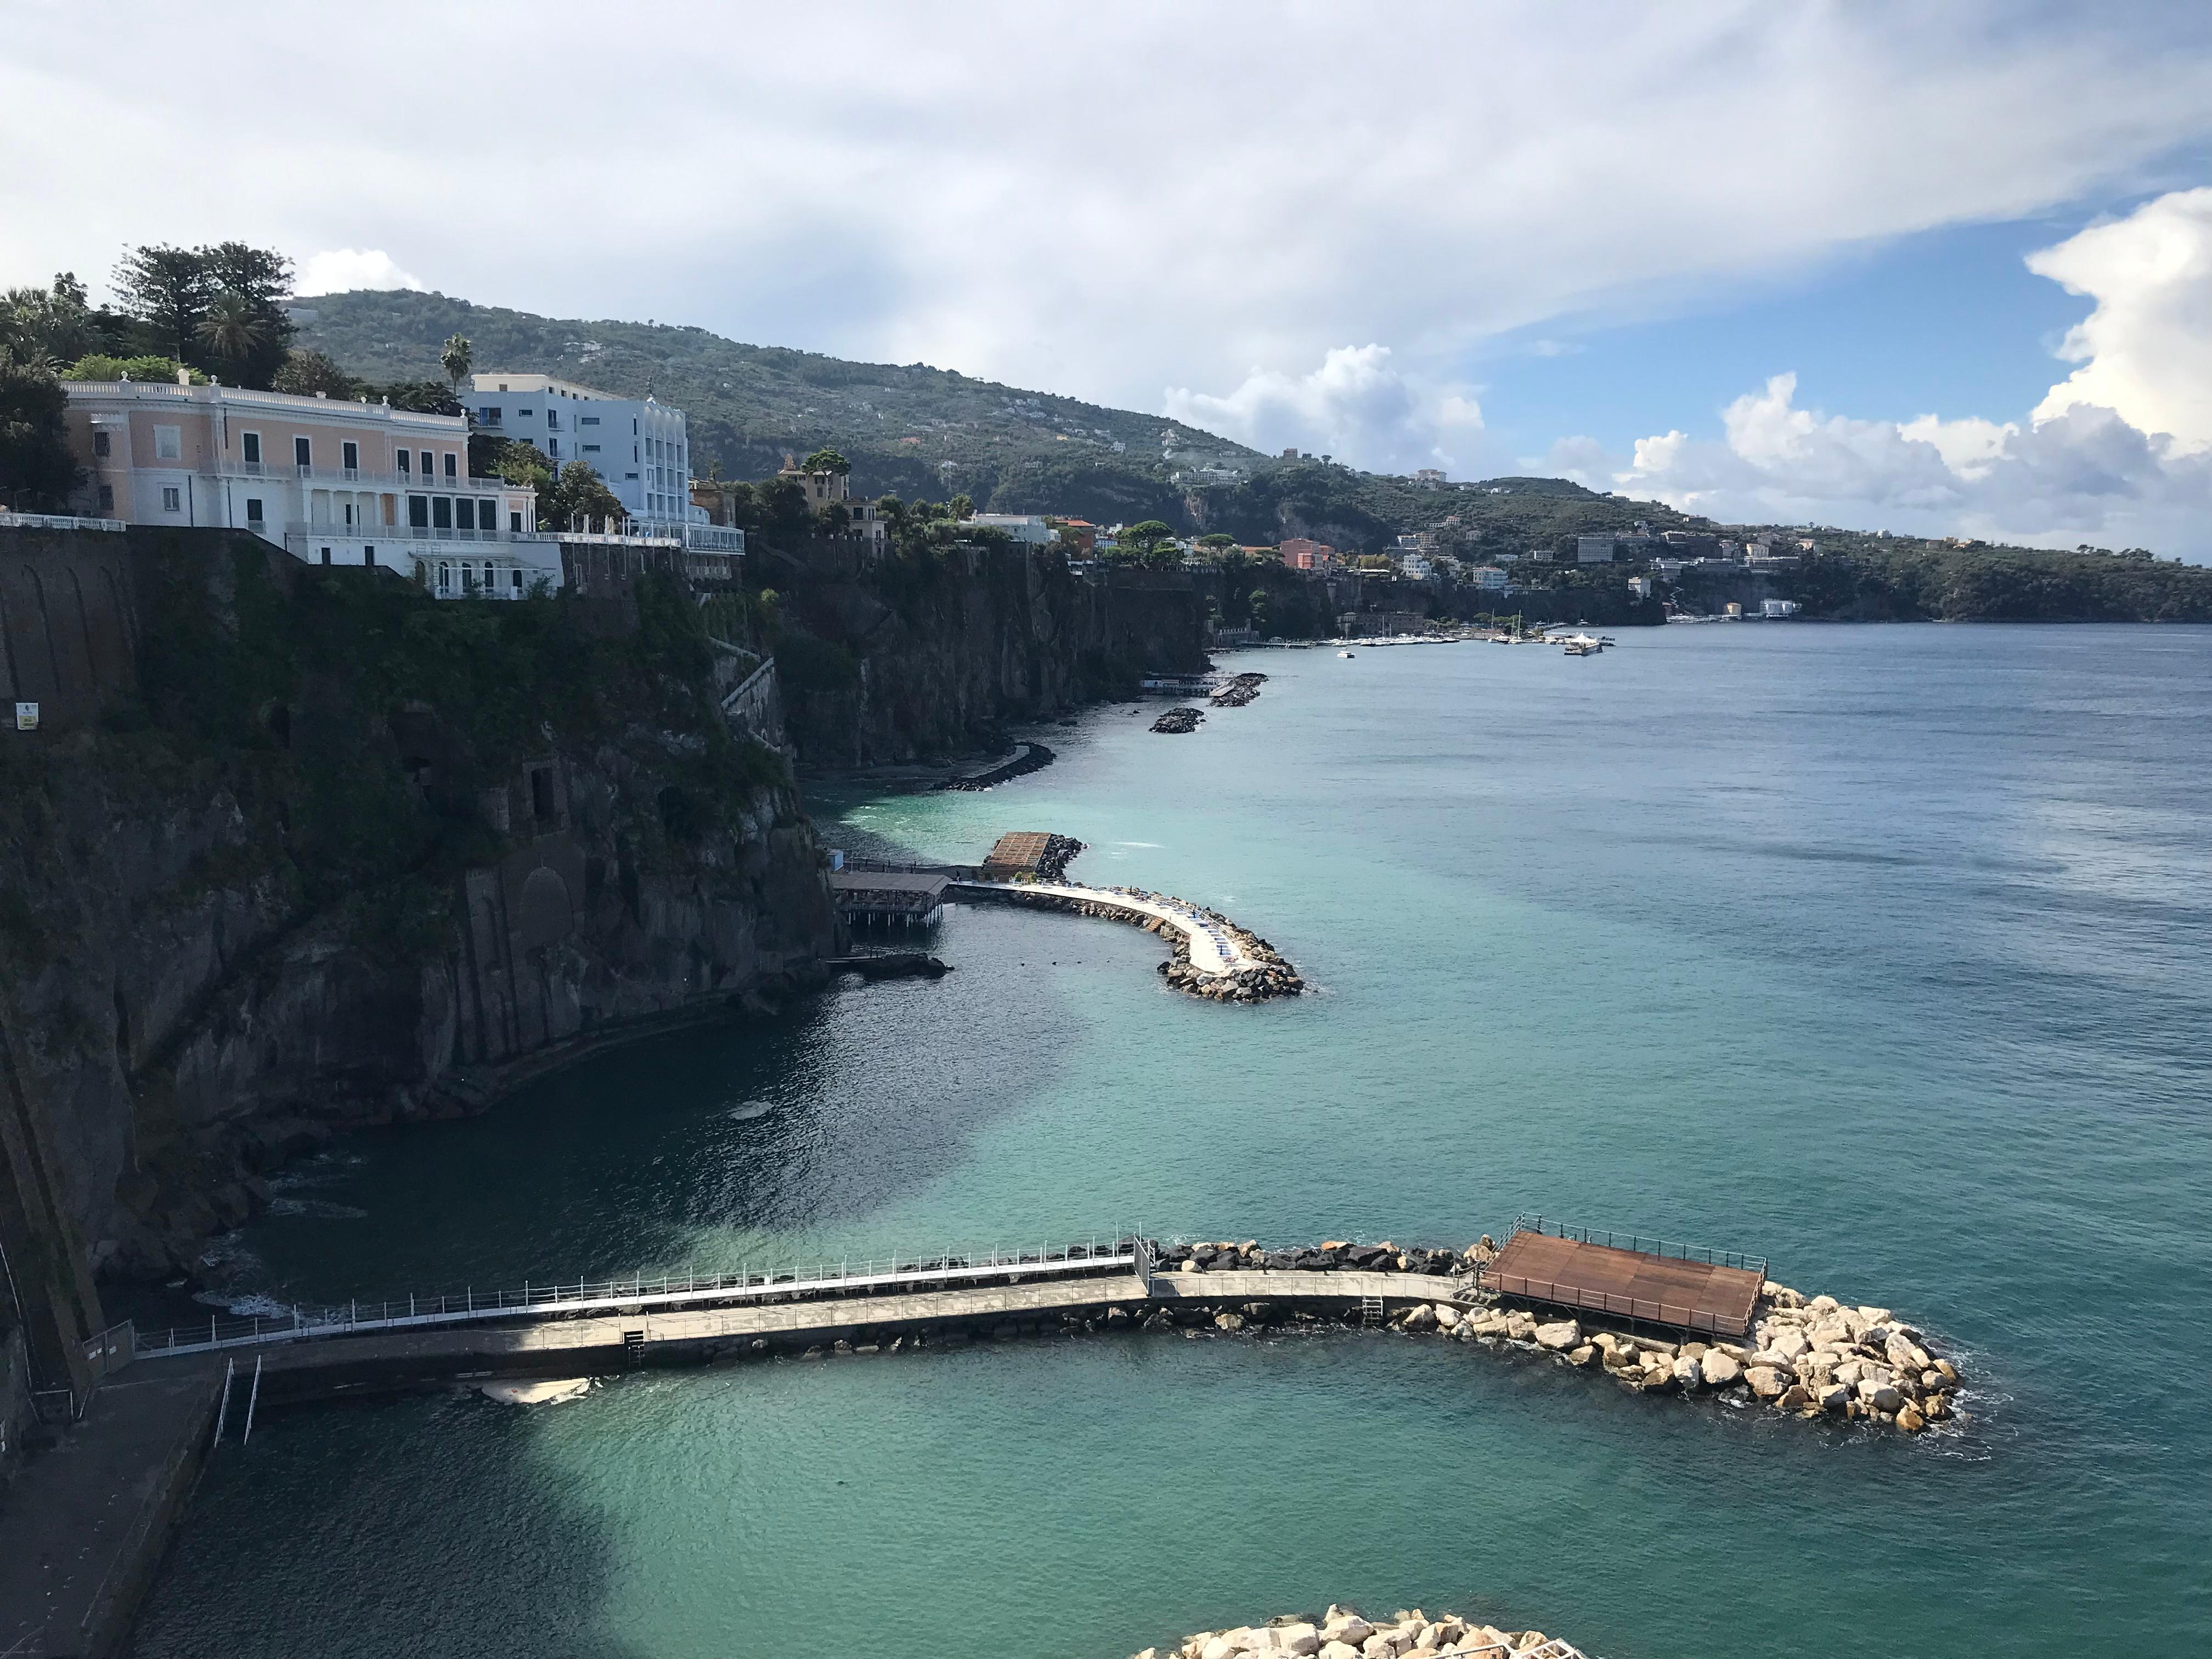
(1691, 1289)
(888, 898)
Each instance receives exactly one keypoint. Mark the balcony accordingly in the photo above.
(355, 478)
(414, 535)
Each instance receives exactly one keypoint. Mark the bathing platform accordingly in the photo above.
(1627, 1277)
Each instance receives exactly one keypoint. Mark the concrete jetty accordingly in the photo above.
(1212, 957)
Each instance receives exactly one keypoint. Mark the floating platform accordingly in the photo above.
(1693, 1290)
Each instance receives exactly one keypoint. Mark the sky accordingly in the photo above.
(1943, 268)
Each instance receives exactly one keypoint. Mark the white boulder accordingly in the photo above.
(1689, 1370)
(1720, 1369)
(1560, 1337)
(1767, 1381)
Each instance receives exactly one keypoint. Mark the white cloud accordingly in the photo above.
(1356, 406)
(338, 271)
(2145, 350)
(2121, 451)
(1524, 163)
(2083, 474)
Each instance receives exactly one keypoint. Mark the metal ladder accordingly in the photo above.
(633, 1348)
(1371, 1311)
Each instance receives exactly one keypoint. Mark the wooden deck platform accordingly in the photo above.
(1659, 1290)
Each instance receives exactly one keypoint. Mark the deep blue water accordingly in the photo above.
(1879, 951)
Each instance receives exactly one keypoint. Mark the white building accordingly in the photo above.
(639, 446)
(1415, 566)
(1774, 610)
(1489, 578)
(332, 481)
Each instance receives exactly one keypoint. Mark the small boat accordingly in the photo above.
(1344, 654)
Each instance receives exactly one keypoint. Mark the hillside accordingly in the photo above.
(921, 432)
(925, 432)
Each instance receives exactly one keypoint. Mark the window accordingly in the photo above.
(635, 456)
(168, 443)
(514, 522)
(520, 413)
(108, 498)
(502, 386)
(541, 780)
(253, 514)
(403, 463)
(587, 420)
(515, 579)
(629, 478)
(591, 449)
(429, 464)
(441, 511)
(464, 513)
(418, 512)
(491, 412)
(450, 465)
(100, 445)
(302, 453)
(555, 444)
(445, 578)
(171, 499)
(351, 453)
(348, 515)
(249, 447)
(552, 420)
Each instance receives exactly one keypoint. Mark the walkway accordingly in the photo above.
(1212, 951)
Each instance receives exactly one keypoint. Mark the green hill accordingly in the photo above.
(921, 432)
(926, 433)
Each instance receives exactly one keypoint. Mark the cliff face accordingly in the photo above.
(352, 856)
(910, 656)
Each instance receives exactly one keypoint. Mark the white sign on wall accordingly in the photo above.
(27, 717)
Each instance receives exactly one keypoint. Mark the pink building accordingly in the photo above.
(333, 482)
(1300, 554)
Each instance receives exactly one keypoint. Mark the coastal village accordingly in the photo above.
(472, 506)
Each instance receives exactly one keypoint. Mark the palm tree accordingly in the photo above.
(235, 328)
(454, 358)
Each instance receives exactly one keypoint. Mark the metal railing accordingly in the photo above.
(408, 533)
(291, 472)
(56, 522)
(1673, 1249)
(1645, 1309)
(1096, 1254)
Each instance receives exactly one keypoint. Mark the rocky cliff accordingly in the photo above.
(337, 855)
(886, 658)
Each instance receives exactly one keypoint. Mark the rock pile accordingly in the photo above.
(1808, 1357)
(1235, 693)
(1341, 1633)
(1177, 722)
(1026, 758)
(1248, 1257)
(1270, 976)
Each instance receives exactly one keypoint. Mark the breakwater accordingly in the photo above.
(1210, 956)
(1810, 1357)
(1026, 758)
(1179, 722)
(1342, 1633)
(1239, 691)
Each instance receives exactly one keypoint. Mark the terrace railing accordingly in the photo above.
(1673, 1249)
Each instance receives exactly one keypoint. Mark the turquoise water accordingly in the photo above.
(1880, 952)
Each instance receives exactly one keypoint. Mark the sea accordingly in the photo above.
(1882, 952)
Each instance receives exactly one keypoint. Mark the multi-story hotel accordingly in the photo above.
(639, 446)
(334, 483)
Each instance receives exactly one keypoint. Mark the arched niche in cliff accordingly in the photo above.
(546, 913)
